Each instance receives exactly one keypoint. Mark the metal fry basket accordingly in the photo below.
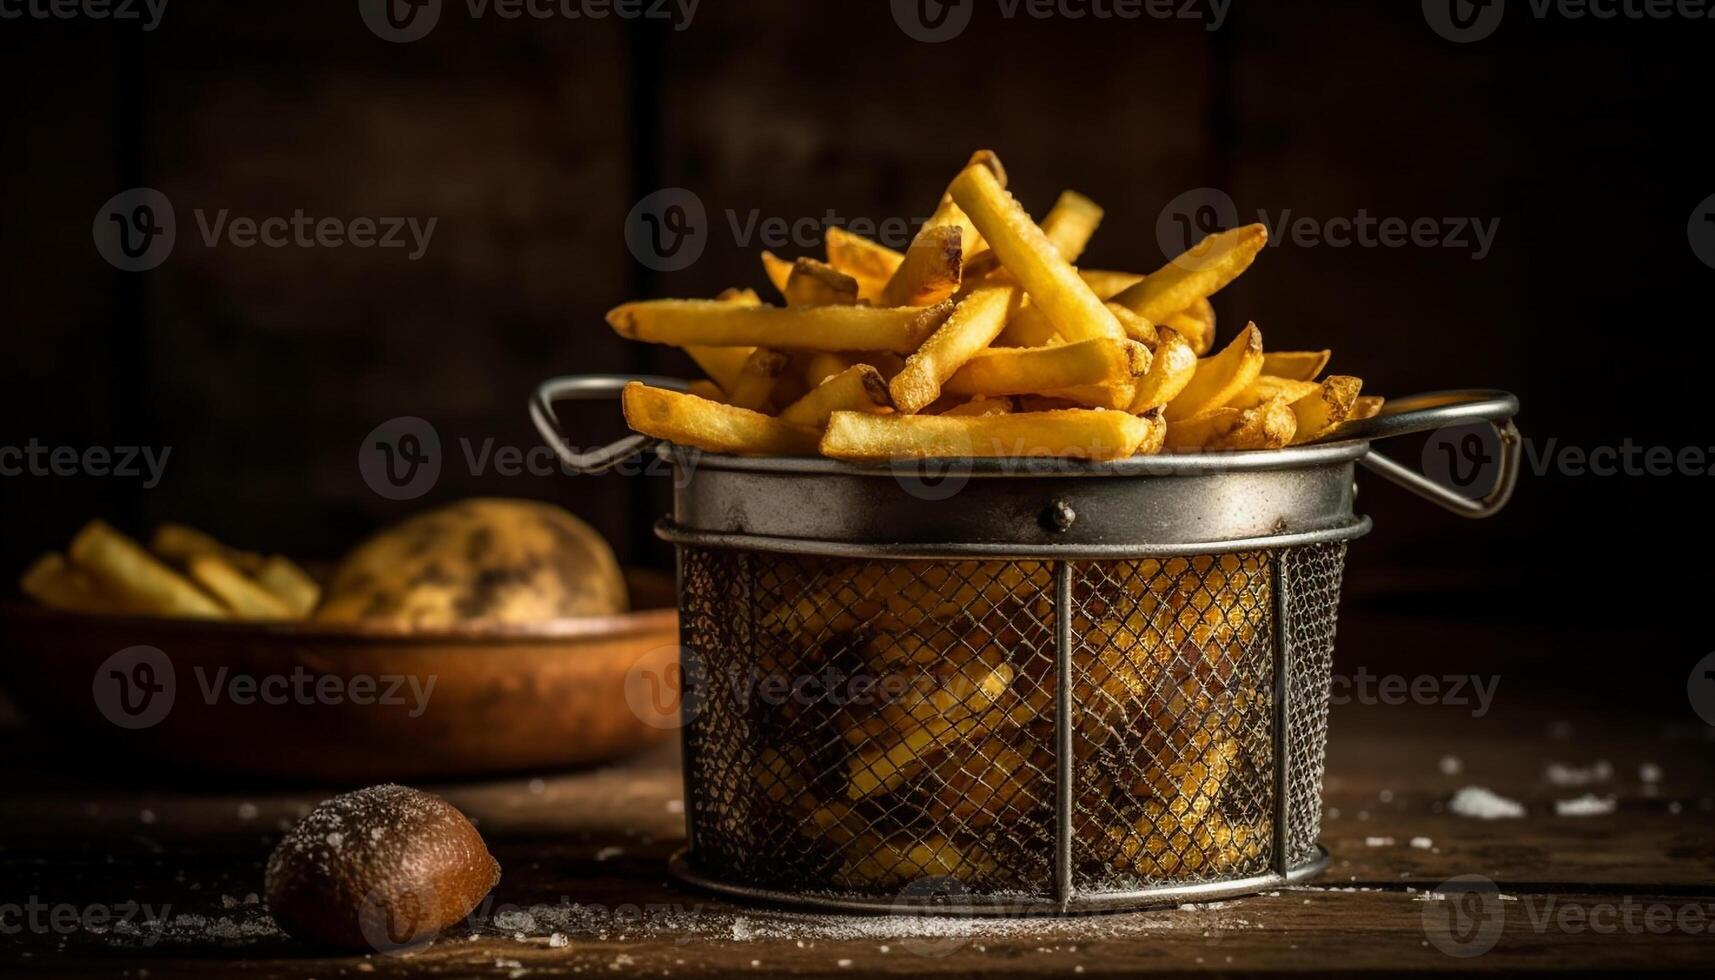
(1002, 686)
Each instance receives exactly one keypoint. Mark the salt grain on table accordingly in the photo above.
(1561, 775)
(1588, 805)
(1482, 803)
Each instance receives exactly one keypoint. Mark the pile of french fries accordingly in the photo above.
(984, 338)
(949, 770)
(184, 573)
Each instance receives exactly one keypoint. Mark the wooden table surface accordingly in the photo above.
(584, 888)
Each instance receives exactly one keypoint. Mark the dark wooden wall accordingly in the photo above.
(530, 141)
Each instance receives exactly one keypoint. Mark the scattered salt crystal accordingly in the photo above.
(1588, 805)
(1561, 775)
(1386, 796)
(1451, 765)
(147, 816)
(1674, 807)
(537, 787)
(1378, 841)
(1430, 897)
(755, 962)
(228, 902)
(1481, 803)
(501, 964)
(844, 964)
(558, 941)
(1560, 730)
(247, 811)
(1503, 896)
(1333, 813)
(1649, 772)
(884, 948)
(609, 853)
(1363, 814)
(1422, 843)
(335, 839)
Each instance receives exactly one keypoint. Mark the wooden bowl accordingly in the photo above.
(341, 703)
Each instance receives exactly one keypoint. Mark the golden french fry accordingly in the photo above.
(1296, 365)
(1321, 411)
(990, 781)
(1220, 378)
(1366, 407)
(889, 755)
(859, 388)
(290, 583)
(1136, 327)
(1035, 370)
(813, 283)
(1155, 437)
(931, 271)
(140, 580)
(704, 388)
(1071, 223)
(685, 322)
(1270, 425)
(178, 544)
(1196, 324)
(877, 862)
(739, 296)
(1267, 387)
(871, 264)
(756, 380)
(973, 325)
(1054, 286)
(981, 406)
(778, 271)
(58, 584)
(691, 421)
(821, 365)
(1171, 369)
(1076, 433)
(1201, 272)
(244, 597)
(1107, 284)
(722, 364)
(1117, 396)
(1028, 328)
(1201, 431)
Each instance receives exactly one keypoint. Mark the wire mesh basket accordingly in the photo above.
(980, 686)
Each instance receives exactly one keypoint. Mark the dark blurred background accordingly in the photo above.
(530, 140)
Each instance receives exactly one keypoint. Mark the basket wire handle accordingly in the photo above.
(1440, 410)
(588, 387)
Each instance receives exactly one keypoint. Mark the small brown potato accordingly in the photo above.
(687, 420)
(141, 581)
(385, 868)
(1220, 378)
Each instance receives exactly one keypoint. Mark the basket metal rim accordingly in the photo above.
(1000, 906)
(676, 534)
(1161, 464)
